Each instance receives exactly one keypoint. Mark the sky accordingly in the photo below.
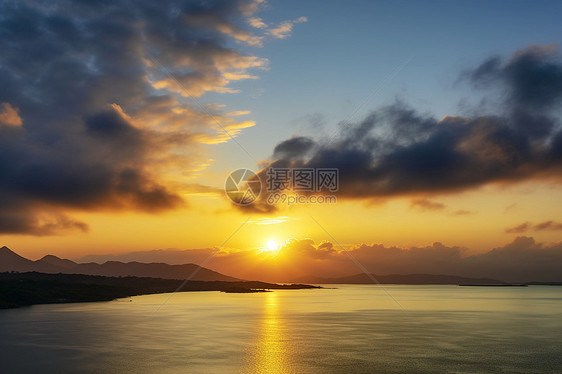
(120, 122)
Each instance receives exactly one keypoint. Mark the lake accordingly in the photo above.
(351, 328)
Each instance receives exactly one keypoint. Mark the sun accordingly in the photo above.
(271, 245)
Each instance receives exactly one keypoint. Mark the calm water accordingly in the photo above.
(356, 329)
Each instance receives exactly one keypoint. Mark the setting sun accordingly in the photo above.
(271, 245)
(239, 186)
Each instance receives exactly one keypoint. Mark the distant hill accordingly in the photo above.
(168, 256)
(11, 261)
(56, 261)
(400, 279)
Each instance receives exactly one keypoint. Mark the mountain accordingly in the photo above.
(400, 279)
(11, 261)
(56, 261)
(168, 256)
(153, 270)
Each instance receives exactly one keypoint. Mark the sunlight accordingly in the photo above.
(272, 245)
(272, 352)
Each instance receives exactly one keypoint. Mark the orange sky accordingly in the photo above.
(130, 152)
(211, 219)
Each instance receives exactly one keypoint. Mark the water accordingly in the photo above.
(354, 328)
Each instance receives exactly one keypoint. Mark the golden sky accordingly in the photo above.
(118, 134)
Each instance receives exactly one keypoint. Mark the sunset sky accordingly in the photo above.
(120, 122)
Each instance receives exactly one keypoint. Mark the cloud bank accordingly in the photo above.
(397, 151)
(521, 260)
(92, 102)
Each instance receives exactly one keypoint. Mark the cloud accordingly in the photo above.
(521, 260)
(543, 226)
(531, 80)
(295, 147)
(22, 221)
(90, 117)
(527, 226)
(510, 207)
(548, 225)
(270, 220)
(521, 228)
(257, 23)
(9, 115)
(462, 212)
(284, 29)
(60, 223)
(398, 151)
(425, 204)
(213, 76)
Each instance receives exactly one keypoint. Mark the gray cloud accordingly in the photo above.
(398, 151)
(521, 260)
(426, 204)
(548, 225)
(88, 121)
(293, 148)
(527, 226)
(462, 212)
(521, 228)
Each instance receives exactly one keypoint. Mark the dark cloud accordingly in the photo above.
(462, 212)
(293, 148)
(531, 79)
(521, 228)
(548, 225)
(542, 226)
(398, 151)
(426, 204)
(521, 260)
(89, 120)
(25, 221)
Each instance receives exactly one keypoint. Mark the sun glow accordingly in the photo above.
(271, 245)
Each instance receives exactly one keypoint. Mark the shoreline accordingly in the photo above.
(27, 289)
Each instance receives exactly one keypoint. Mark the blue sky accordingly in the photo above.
(106, 132)
(334, 62)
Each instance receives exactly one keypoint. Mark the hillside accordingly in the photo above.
(11, 261)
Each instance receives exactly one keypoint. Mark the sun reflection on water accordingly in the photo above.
(270, 355)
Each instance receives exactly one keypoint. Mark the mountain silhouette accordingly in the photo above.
(57, 261)
(11, 261)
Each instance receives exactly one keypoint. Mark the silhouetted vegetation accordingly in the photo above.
(21, 289)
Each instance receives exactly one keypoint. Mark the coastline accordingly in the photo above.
(32, 288)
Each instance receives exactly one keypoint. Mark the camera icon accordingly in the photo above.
(242, 186)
